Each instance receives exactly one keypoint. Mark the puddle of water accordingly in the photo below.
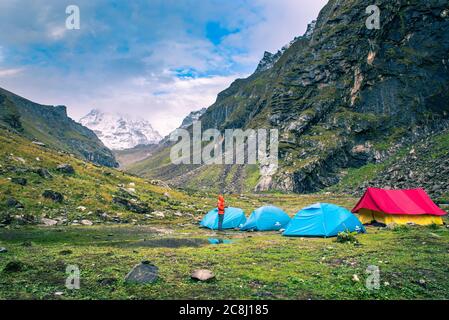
(177, 243)
(215, 241)
(170, 243)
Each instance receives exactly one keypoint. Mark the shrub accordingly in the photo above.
(433, 226)
(346, 236)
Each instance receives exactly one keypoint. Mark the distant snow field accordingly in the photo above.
(120, 131)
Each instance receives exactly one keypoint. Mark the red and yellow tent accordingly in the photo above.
(398, 206)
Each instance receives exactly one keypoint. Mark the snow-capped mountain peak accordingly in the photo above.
(120, 131)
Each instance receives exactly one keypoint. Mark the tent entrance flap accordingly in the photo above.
(368, 216)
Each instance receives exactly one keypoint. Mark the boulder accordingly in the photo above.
(38, 143)
(142, 273)
(14, 203)
(44, 173)
(48, 222)
(159, 183)
(159, 214)
(19, 181)
(3, 250)
(130, 201)
(65, 168)
(86, 222)
(53, 195)
(202, 275)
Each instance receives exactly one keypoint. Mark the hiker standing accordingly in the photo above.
(221, 211)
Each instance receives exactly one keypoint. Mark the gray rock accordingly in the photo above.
(202, 275)
(38, 143)
(130, 201)
(48, 222)
(159, 214)
(142, 273)
(86, 222)
(3, 250)
(65, 168)
(14, 203)
(44, 173)
(53, 195)
(19, 181)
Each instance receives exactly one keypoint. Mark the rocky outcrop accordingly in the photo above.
(424, 164)
(65, 168)
(130, 202)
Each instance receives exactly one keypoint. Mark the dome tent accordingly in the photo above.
(266, 218)
(323, 220)
(233, 218)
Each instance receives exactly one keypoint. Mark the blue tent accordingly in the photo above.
(266, 219)
(323, 220)
(233, 218)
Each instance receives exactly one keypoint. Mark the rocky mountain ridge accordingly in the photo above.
(192, 117)
(344, 97)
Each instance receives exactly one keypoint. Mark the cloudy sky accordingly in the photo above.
(154, 59)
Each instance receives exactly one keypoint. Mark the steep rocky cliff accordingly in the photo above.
(343, 97)
(51, 126)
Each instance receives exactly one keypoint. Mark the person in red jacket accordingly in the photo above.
(221, 211)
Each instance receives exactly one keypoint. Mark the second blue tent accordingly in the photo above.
(268, 218)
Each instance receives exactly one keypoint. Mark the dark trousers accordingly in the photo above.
(220, 221)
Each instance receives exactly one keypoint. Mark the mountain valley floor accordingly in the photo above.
(253, 265)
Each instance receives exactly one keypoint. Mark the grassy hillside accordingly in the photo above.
(51, 125)
(91, 186)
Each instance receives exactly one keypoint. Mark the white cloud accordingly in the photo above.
(283, 20)
(57, 32)
(89, 72)
(164, 104)
(10, 72)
